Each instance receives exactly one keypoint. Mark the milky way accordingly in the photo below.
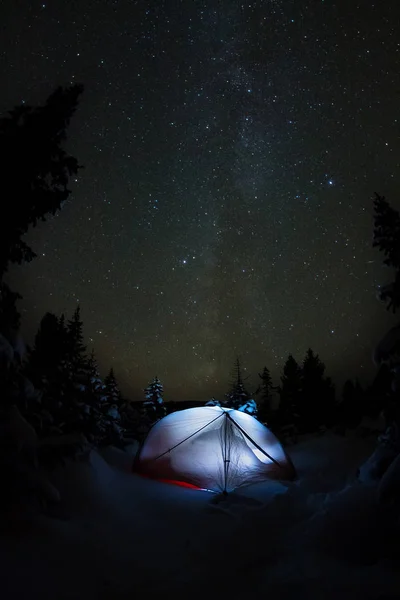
(231, 153)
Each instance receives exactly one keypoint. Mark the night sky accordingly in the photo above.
(231, 153)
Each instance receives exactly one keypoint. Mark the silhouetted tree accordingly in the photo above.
(387, 240)
(115, 410)
(34, 168)
(379, 393)
(60, 368)
(49, 348)
(112, 390)
(34, 171)
(289, 392)
(10, 318)
(136, 423)
(317, 402)
(238, 397)
(350, 409)
(48, 368)
(75, 343)
(266, 389)
(89, 399)
(99, 419)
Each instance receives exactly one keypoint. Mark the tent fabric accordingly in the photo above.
(213, 448)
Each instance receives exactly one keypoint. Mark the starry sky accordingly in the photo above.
(231, 153)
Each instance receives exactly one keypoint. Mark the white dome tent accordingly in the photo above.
(212, 448)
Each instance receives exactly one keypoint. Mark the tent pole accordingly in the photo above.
(226, 461)
(187, 438)
(252, 441)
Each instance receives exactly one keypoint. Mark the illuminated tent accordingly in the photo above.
(212, 448)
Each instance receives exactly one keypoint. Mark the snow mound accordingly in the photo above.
(323, 536)
(389, 487)
(119, 459)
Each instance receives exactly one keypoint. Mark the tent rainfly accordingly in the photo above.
(212, 448)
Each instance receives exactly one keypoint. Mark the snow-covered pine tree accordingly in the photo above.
(213, 402)
(136, 424)
(249, 407)
(112, 391)
(154, 404)
(238, 397)
(76, 348)
(97, 419)
(114, 408)
(74, 372)
(90, 397)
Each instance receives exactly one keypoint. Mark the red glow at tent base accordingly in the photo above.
(181, 484)
(173, 482)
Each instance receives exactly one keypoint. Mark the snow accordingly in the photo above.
(324, 536)
(389, 486)
(114, 412)
(249, 407)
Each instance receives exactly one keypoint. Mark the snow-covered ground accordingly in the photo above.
(323, 536)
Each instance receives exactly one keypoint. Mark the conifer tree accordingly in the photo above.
(10, 318)
(387, 240)
(351, 406)
(378, 394)
(238, 397)
(76, 348)
(48, 369)
(35, 170)
(289, 392)
(316, 402)
(60, 367)
(135, 422)
(112, 390)
(47, 352)
(88, 399)
(115, 409)
(266, 389)
(154, 403)
(99, 423)
(77, 368)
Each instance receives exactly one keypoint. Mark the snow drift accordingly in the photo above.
(323, 536)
